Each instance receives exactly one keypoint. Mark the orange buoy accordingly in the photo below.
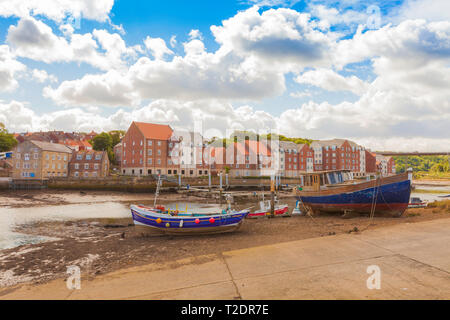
(197, 221)
(158, 220)
(212, 220)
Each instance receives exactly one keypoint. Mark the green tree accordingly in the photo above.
(7, 140)
(102, 142)
(116, 136)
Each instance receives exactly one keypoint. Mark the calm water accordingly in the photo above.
(12, 217)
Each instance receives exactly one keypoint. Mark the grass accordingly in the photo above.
(431, 191)
(439, 206)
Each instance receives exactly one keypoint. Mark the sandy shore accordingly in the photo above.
(99, 246)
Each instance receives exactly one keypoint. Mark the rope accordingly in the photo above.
(377, 184)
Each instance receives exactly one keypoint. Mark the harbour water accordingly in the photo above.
(10, 218)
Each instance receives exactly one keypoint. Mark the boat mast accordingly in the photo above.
(158, 185)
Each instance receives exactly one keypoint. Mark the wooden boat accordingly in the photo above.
(328, 191)
(417, 203)
(157, 218)
(227, 221)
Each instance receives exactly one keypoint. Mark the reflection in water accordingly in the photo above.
(12, 217)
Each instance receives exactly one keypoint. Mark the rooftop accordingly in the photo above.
(155, 131)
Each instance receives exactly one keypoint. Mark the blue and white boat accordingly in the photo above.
(161, 220)
(328, 191)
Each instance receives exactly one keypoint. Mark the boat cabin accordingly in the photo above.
(315, 180)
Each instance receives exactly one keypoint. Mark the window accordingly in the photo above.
(89, 157)
(124, 162)
(169, 171)
(170, 145)
(124, 145)
(18, 156)
(47, 157)
(79, 157)
(18, 165)
(26, 157)
(86, 174)
(141, 142)
(53, 166)
(77, 173)
(206, 171)
(150, 161)
(159, 161)
(65, 166)
(59, 166)
(35, 156)
(94, 174)
(159, 143)
(149, 171)
(98, 157)
(159, 152)
(150, 152)
(150, 142)
(59, 157)
(191, 172)
(200, 172)
(65, 158)
(86, 166)
(169, 162)
(53, 157)
(96, 166)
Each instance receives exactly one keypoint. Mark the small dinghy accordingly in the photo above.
(265, 207)
(417, 203)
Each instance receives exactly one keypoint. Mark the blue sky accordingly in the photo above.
(299, 64)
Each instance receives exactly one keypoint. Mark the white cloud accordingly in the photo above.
(157, 47)
(195, 34)
(42, 76)
(431, 10)
(329, 80)
(9, 69)
(35, 40)
(57, 9)
(173, 41)
(109, 89)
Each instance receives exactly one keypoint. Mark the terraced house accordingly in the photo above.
(38, 160)
(89, 164)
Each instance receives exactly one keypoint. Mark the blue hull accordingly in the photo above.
(390, 198)
(184, 224)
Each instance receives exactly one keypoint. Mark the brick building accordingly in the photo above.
(89, 164)
(385, 165)
(38, 159)
(337, 154)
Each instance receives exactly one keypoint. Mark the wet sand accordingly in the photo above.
(99, 246)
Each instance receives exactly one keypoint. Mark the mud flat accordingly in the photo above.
(100, 246)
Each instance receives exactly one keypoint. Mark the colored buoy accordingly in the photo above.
(212, 220)
(197, 221)
(158, 220)
(167, 225)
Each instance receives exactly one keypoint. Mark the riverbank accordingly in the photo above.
(411, 258)
(100, 246)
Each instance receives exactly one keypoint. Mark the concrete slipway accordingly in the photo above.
(414, 260)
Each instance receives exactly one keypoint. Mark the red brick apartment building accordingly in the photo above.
(295, 159)
(385, 165)
(89, 164)
(149, 148)
(337, 154)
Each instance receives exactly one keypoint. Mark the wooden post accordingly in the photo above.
(272, 197)
(209, 180)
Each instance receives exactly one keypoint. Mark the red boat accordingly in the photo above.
(265, 210)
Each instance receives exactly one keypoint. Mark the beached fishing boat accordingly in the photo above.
(336, 191)
(226, 221)
(160, 219)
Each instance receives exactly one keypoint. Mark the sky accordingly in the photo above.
(375, 72)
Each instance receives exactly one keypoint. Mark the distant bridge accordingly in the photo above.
(392, 153)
